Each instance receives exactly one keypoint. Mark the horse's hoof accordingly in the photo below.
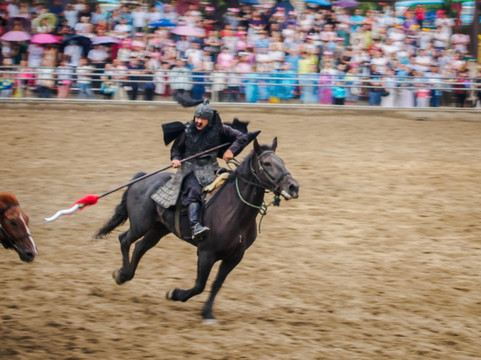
(116, 277)
(210, 322)
(169, 295)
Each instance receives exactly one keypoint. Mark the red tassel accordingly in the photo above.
(89, 199)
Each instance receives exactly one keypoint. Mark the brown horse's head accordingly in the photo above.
(14, 231)
(271, 171)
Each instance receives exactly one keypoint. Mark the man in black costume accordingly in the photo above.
(206, 131)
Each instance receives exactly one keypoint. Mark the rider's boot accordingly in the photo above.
(199, 231)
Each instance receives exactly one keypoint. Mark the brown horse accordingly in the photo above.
(231, 216)
(14, 231)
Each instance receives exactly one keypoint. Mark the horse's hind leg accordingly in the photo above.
(151, 238)
(149, 241)
(226, 266)
(126, 239)
(205, 261)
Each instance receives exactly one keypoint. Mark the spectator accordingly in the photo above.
(65, 75)
(352, 82)
(139, 19)
(161, 79)
(326, 81)
(460, 42)
(477, 85)
(461, 87)
(435, 82)
(136, 70)
(375, 84)
(84, 79)
(389, 92)
(71, 15)
(84, 27)
(98, 15)
(219, 83)
(308, 85)
(6, 84)
(180, 78)
(73, 51)
(420, 15)
(45, 79)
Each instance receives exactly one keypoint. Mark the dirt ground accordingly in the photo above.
(379, 258)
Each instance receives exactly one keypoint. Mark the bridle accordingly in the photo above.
(6, 240)
(263, 184)
(271, 182)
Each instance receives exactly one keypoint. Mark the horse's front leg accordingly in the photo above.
(226, 266)
(205, 261)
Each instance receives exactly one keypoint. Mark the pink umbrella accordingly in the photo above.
(16, 36)
(44, 39)
(186, 31)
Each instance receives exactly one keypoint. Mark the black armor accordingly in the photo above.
(198, 172)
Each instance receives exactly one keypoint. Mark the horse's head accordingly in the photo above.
(271, 171)
(14, 231)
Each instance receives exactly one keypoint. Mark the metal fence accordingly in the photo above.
(119, 84)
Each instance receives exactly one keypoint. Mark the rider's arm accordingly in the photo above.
(237, 139)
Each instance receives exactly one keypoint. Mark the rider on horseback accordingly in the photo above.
(204, 132)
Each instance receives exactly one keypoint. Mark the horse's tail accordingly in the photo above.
(120, 215)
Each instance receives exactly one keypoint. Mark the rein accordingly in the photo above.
(261, 209)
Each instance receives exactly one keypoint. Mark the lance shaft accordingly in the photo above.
(163, 169)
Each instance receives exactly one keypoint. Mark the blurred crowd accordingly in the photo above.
(254, 53)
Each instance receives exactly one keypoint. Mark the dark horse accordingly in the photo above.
(230, 214)
(14, 231)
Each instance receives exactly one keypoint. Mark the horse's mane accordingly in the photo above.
(8, 198)
(243, 169)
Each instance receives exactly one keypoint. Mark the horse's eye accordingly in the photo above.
(268, 164)
(13, 224)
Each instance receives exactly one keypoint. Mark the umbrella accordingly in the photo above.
(418, 2)
(318, 2)
(186, 31)
(51, 20)
(100, 40)
(16, 36)
(249, 2)
(44, 39)
(82, 41)
(19, 22)
(162, 23)
(346, 3)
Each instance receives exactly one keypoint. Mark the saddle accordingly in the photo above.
(208, 193)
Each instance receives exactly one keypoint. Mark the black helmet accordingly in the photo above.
(204, 111)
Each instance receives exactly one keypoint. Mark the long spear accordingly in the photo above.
(91, 199)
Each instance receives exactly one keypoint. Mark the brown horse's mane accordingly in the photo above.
(7, 198)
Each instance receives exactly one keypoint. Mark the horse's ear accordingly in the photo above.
(257, 147)
(274, 144)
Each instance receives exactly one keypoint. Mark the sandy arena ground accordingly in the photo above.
(379, 258)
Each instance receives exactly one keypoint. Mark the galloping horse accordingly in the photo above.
(230, 214)
(14, 231)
